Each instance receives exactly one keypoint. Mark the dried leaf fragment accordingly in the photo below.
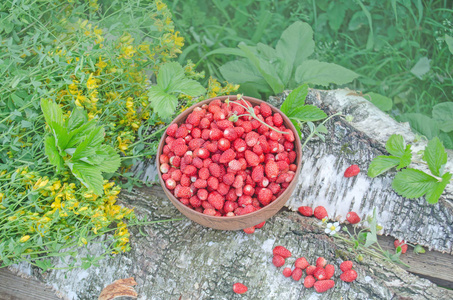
(119, 288)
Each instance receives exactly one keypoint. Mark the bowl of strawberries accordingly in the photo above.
(229, 162)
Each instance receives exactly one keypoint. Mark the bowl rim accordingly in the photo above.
(183, 117)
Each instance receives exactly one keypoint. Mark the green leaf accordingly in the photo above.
(406, 158)
(412, 183)
(395, 145)
(381, 102)
(60, 134)
(307, 113)
(435, 156)
(449, 41)
(88, 147)
(172, 79)
(371, 237)
(433, 194)
(52, 153)
(443, 114)
(295, 99)
(90, 176)
(111, 160)
(77, 118)
(336, 14)
(79, 134)
(297, 125)
(382, 164)
(52, 112)
(418, 249)
(322, 73)
(266, 69)
(421, 67)
(296, 43)
(240, 72)
(421, 124)
(161, 102)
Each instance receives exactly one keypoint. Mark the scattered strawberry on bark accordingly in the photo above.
(349, 276)
(352, 217)
(322, 286)
(320, 212)
(352, 171)
(346, 265)
(282, 251)
(305, 211)
(401, 244)
(239, 288)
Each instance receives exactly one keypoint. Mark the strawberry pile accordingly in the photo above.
(223, 161)
(318, 275)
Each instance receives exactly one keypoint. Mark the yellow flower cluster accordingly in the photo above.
(215, 88)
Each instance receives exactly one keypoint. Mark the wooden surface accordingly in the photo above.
(13, 287)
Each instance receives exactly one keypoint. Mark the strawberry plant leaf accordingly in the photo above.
(371, 237)
(77, 118)
(60, 134)
(161, 102)
(435, 156)
(308, 113)
(382, 102)
(295, 99)
(382, 164)
(443, 114)
(88, 146)
(111, 160)
(395, 145)
(406, 158)
(90, 176)
(412, 183)
(322, 73)
(297, 125)
(52, 112)
(52, 153)
(242, 71)
(172, 79)
(433, 194)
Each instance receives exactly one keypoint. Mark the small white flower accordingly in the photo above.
(332, 228)
(323, 221)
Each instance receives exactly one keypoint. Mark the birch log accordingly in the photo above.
(184, 260)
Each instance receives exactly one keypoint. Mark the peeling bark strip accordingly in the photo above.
(321, 181)
(183, 260)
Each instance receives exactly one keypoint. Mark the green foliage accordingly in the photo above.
(413, 183)
(285, 66)
(172, 81)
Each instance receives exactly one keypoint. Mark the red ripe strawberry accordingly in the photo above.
(201, 153)
(171, 130)
(248, 190)
(265, 196)
(193, 119)
(216, 200)
(287, 272)
(165, 176)
(288, 146)
(319, 273)
(235, 165)
(322, 286)
(197, 162)
(196, 133)
(301, 263)
(352, 217)
(215, 134)
(278, 260)
(352, 171)
(213, 183)
(176, 175)
(402, 244)
(230, 134)
(195, 201)
(260, 225)
(292, 156)
(289, 136)
(184, 192)
(219, 115)
(207, 205)
(224, 124)
(349, 276)
(229, 206)
(310, 269)
(185, 180)
(214, 170)
(297, 274)
(223, 189)
(204, 123)
(252, 159)
(273, 146)
(180, 148)
(346, 265)
(249, 230)
(238, 181)
(244, 200)
(164, 168)
(320, 212)
(271, 169)
(200, 183)
(321, 262)
(170, 184)
(274, 135)
(265, 109)
(164, 159)
(257, 149)
(305, 211)
(203, 173)
(239, 145)
(330, 271)
(196, 143)
(274, 187)
(190, 170)
(251, 138)
(228, 178)
(227, 156)
(239, 288)
(181, 132)
(309, 281)
(277, 119)
(282, 251)
(223, 144)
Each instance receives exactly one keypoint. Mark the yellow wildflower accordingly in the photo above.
(24, 238)
(101, 64)
(160, 6)
(91, 82)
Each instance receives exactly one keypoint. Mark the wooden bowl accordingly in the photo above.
(243, 221)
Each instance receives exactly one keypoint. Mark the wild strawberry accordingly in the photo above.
(224, 124)
(196, 143)
(265, 109)
(251, 158)
(305, 211)
(230, 206)
(349, 276)
(249, 230)
(171, 130)
(352, 217)
(282, 251)
(330, 271)
(190, 170)
(203, 173)
(239, 288)
(319, 273)
(322, 286)
(287, 272)
(170, 184)
(274, 135)
(289, 136)
(263, 183)
(402, 244)
(251, 138)
(264, 196)
(292, 156)
(257, 149)
(185, 180)
(301, 263)
(214, 169)
(223, 144)
(238, 181)
(196, 133)
(215, 134)
(271, 169)
(277, 119)
(235, 165)
(180, 148)
(320, 212)
(223, 189)
(321, 262)
(274, 187)
(213, 183)
(227, 156)
(200, 183)
(352, 171)
(228, 178)
(297, 274)
(181, 132)
(184, 192)
(278, 260)
(216, 200)
(273, 146)
(310, 269)
(239, 145)
(260, 225)
(248, 190)
(244, 200)
(219, 115)
(193, 119)
(346, 265)
(230, 134)
(164, 168)
(309, 281)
